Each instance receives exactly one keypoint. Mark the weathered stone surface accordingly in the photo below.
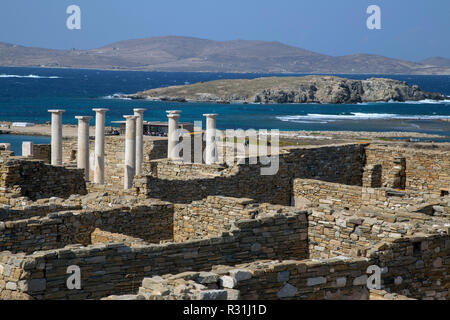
(207, 278)
(283, 276)
(213, 295)
(228, 282)
(316, 281)
(240, 274)
(287, 291)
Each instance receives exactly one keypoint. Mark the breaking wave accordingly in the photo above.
(30, 76)
(323, 118)
(426, 101)
(119, 95)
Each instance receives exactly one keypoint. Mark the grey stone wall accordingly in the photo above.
(116, 268)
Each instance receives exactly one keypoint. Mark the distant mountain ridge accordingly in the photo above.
(174, 53)
(438, 61)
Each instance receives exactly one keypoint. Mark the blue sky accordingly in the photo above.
(411, 29)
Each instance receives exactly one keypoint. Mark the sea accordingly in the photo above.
(27, 93)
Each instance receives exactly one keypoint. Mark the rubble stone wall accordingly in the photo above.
(181, 183)
(330, 279)
(21, 177)
(210, 217)
(426, 170)
(150, 223)
(8, 214)
(417, 266)
(416, 255)
(101, 236)
(42, 152)
(115, 268)
(313, 193)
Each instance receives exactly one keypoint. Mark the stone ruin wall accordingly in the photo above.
(330, 279)
(210, 217)
(22, 177)
(34, 210)
(56, 230)
(425, 170)
(181, 183)
(417, 261)
(313, 193)
(414, 251)
(420, 264)
(114, 268)
(101, 236)
(42, 152)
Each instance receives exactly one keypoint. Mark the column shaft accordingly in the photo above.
(130, 151)
(99, 169)
(173, 116)
(83, 144)
(139, 113)
(56, 139)
(210, 137)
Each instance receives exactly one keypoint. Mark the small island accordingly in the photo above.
(306, 89)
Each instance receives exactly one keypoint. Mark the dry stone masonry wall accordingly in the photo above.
(330, 279)
(227, 232)
(149, 223)
(425, 170)
(21, 177)
(181, 183)
(108, 268)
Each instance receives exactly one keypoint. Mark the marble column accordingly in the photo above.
(130, 151)
(56, 140)
(139, 113)
(99, 169)
(83, 144)
(173, 116)
(211, 146)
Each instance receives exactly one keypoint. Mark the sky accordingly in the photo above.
(410, 29)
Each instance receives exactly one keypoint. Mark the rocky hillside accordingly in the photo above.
(203, 55)
(307, 89)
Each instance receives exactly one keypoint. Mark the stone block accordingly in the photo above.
(287, 291)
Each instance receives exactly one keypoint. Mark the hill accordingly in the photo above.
(307, 89)
(438, 61)
(174, 53)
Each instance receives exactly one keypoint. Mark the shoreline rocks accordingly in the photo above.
(279, 90)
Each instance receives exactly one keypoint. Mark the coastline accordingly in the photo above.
(71, 130)
(229, 72)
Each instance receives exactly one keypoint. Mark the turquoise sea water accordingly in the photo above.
(27, 93)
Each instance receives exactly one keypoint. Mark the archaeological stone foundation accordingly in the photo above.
(223, 231)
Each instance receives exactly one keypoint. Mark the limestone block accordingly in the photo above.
(228, 282)
(240, 274)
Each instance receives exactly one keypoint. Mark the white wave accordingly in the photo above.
(117, 96)
(429, 101)
(426, 101)
(324, 118)
(30, 76)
